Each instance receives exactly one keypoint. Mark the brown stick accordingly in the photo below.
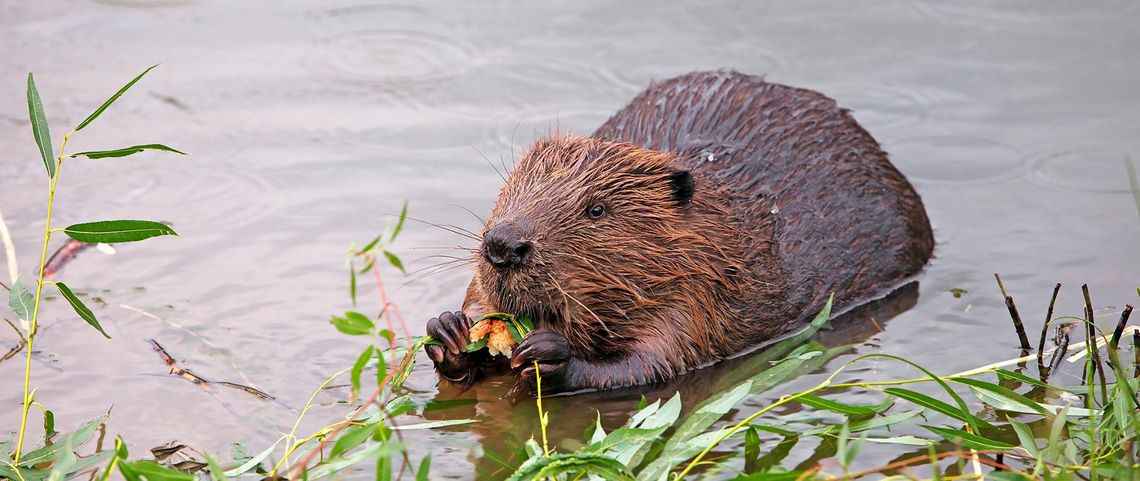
(1090, 332)
(20, 343)
(1017, 324)
(1136, 353)
(1120, 326)
(63, 255)
(1045, 328)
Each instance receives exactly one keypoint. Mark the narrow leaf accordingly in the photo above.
(352, 283)
(968, 440)
(125, 151)
(396, 262)
(399, 223)
(40, 126)
(351, 438)
(424, 469)
(381, 367)
(849, 409)
(21, 300)
(1005, 395)
(353, 323)
(357, 367)
(80, 309)
(937, 405)
(112, 99)
(114, 231)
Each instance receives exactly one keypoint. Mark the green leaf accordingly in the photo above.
(1000, 396)
(125, 151)
(215, 469)
(353, 323)
(381, 368)
(868, 424)
(544, 467)
(433, 424)
(112, 99)
(352, 282)
(848, 409)
(21, 300)
(399, 223)
(967, 440)
(396, 262)
(153, 471)
(74, 439)
(751, 449)
(80, 309)
(114, 231)
(475, 346)
(937, 405)
(367, 247)
(49, 424)
(40, 126)
(1025, 437)
(775, 476)
(357, 367)
(422, 474)
(350, 438)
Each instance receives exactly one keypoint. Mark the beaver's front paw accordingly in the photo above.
(452, 360)
(552, 352)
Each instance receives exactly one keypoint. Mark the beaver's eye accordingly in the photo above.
(597, 211)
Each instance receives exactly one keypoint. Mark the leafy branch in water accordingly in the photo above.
(26, 300)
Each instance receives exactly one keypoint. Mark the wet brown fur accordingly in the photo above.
(792, 201)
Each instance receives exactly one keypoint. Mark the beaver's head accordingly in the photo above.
(589, 236)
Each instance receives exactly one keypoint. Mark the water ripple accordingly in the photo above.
(957, 159)
(1081, 168)
(390, 57)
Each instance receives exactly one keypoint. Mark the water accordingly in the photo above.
(309, 123)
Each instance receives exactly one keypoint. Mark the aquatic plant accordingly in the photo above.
(26, 301)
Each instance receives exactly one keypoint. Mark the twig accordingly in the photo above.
(1017, 324)
(1136, 353)
(1120, 326)
(20, 343)
(9, 250)
(1090, 328)
(176, 369)
(1045, 328)
(201, 339)
(64, 254)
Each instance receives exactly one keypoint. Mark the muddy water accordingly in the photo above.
(310, 122)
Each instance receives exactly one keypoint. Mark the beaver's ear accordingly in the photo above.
(682, 185)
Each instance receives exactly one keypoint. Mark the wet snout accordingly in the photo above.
(505, 248)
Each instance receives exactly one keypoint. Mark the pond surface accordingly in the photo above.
(310, 122)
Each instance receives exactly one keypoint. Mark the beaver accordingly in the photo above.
(713, 213)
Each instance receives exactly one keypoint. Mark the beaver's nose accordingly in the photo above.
(504, 247)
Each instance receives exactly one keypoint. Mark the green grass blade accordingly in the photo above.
(80, 308)
(112, 100)
(40, 126)
(114, 231)
(125, 151)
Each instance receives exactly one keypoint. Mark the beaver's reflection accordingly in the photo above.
(504, 426)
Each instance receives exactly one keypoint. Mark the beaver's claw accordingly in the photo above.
(552, 352)
(452, 360)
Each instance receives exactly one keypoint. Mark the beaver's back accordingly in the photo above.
(842, 218)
